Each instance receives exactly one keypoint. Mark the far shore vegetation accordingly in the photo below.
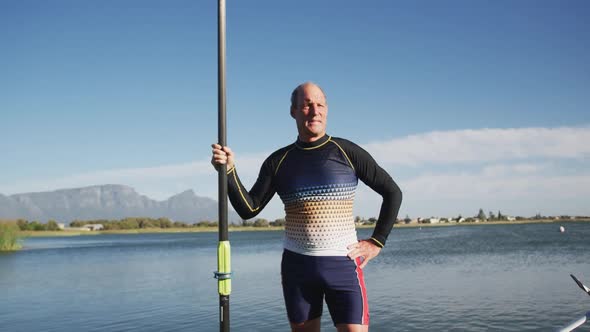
(9, 236)
(12, 230)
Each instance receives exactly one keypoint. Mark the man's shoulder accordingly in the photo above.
(345, 143)
(352, 149)
(283, 150)
(279, 153)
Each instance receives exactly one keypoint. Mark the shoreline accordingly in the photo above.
(499, 222)
(25, 234)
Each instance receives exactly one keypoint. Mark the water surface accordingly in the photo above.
(459, 278)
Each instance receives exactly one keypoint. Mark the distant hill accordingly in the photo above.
(107, 202)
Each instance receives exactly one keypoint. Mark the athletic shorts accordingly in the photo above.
(308, 279)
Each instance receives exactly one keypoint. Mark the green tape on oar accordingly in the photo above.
(223, 274)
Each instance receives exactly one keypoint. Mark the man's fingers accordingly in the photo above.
(362, 249)
(219, 149)
(355, 253)
(227, 150)
(364, 263)
(365, 258)
(220, 160)
(219, 156)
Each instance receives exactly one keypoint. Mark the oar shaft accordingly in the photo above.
(575, 324)
(223, 252)
(221, 120)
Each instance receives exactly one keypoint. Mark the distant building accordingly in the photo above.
(430, 221)
(93, 227)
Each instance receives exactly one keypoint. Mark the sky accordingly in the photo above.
(467, 104)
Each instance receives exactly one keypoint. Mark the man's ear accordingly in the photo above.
(293, 112)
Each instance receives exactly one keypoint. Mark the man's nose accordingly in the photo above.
(313, 109)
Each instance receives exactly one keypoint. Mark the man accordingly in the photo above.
(316, 178)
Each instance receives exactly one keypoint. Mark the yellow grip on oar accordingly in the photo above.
(224, 268)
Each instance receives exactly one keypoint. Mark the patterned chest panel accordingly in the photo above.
(317, 187)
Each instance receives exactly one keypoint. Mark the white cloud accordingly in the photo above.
(504, 169)
(484, 145)
(465, 192)
(460, 171)
(496, 186)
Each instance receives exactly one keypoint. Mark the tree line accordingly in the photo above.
(163, 223)
(491, 216)
(138, 223)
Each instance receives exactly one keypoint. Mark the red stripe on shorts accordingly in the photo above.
(361, 279)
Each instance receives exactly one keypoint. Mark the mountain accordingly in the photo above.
(107, 202)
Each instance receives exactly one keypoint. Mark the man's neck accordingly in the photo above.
(312, 144)
(310, 139)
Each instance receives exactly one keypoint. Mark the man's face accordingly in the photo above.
(310, 113)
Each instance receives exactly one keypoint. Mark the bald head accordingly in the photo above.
(310, 111)
(296, 94)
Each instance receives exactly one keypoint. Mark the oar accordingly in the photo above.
(223, 273)
(580, 284)
(575, 324)
(580, 321)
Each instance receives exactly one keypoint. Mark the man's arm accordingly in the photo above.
(377, 179)
(247, 204)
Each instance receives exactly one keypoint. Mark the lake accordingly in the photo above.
(458, 278)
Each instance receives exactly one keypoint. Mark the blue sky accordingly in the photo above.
(468, 104)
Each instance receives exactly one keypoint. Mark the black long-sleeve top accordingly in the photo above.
(317, 183)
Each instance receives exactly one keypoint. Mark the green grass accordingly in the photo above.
(9, 236)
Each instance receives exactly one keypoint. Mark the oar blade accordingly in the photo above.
(580, 284)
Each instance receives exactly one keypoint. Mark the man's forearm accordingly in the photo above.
(392, 201)
(248, 204)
